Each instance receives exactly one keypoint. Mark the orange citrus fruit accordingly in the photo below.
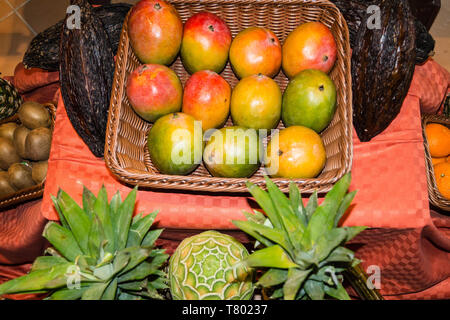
(300, 154)
(436, 161)
(438, 137)
(442, 175)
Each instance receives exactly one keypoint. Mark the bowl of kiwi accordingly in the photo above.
(25, 141)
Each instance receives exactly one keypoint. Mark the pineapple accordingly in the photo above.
(99, 252)
(10, 100)
(304, 254)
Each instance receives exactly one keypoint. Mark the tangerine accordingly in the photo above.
(438, 137)
(442, 175)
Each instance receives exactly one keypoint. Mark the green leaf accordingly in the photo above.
(353, 232)
(323, 218)
(312, 205)
(330, 241)
(129, 296)
(88, 202)
(77, 219)
(346, 202)
(273, 277)
(340, 254)
(95, 291)
(46, 262)
(151, 237)
(123, 219)
(63, 240)
(337, 292)
(143, 270)
(137, 255)
(273, 235)
(278, 293)
(315, 289)
(133, 286)
(264, 201)
(110, 291)
(43, 279)
(247, 229)
(102, 211)
(67, 294)
(139, 229)
(95, 238)
(58, 210)
(256, 217)
(297, 204)
(294, 281)
(270, 257)
(291, 223)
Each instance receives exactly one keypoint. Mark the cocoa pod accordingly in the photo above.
(382, 68)
(86, 76)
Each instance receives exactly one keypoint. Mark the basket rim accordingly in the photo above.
(33, 192)
(213, 184)
(434, 195)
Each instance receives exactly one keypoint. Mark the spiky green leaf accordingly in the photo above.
(77, 219)
(63, 240)
(263, 199)
(337, 292)
(312, 205)
(95, 291)
(315, 289)
(273, 235)
(123, 219)
(297, 204)
(88, 202)
(271, 257)
(102, 211)
(345, 204)
(46, 262)
(273, 277)
(139, 228)
(252, 232)
(67, 294)
(110, 291)
(151, 237)
(294, 281)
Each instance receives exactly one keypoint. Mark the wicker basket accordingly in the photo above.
(126, 152)
(433, 193)
(36, 191)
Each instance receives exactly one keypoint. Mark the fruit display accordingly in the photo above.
(255, 50)
(309, 100)
(99, 252)
(208, 266)
(310, 46)
(233, 152)
(207, 98)
(43, 50)
(175, 144)
(206, 42)
(298, 154)
(304, 254)
(153, 91)
(256, 103)
(25, 148)
(378, 94)
(438, 139)
(10, 99)
(86, 94)
(155, 30)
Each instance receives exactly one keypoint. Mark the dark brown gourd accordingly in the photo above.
(86, 76)
(382, 68)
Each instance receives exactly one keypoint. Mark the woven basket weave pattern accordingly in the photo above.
(126, 152)
(35, 191)
(433, 193)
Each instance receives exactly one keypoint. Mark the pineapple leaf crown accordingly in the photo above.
(100, 251)
(304, 251)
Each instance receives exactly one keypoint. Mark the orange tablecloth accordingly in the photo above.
(388, 172)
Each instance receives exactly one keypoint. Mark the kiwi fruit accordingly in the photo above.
(5, 187)
(8, 154)
(34, 115)
(39, 171)
(7, 130)
(38, 143)
(20, 134)
(20, 176)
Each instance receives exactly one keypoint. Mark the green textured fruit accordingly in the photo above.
(208, 266)
(10, 99)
